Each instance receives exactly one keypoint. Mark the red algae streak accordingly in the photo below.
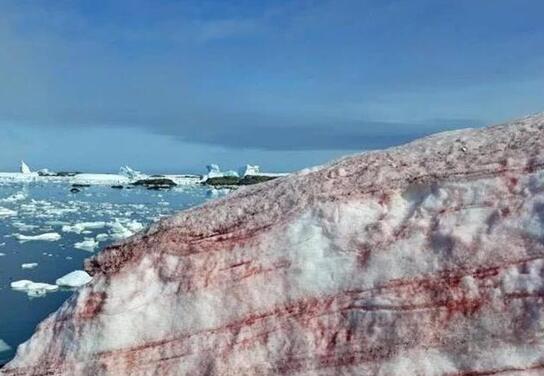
(426, 259)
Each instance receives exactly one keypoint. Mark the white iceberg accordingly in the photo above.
(249, 170)
(74, 279)
(24, 168)
(88, 244)
(215, 172)
(131, 174)
(48, 237)
(33, 289)
(30, 265)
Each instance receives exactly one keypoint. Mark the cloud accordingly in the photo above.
(318, 76)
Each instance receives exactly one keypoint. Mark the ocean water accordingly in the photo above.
(48, 207)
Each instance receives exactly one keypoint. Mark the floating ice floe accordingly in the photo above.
(5, 212)
(15, 197)
(33, 289)
(49, 237)
(78, 228)
(102, 237)
(2, 254)
(24, 227)
(4, 346)
(30, 265)
(88, 244)
(74, 279)
(122, 230)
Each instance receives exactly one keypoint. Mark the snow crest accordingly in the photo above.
(425, 259)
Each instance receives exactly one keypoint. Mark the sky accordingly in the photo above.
(170, 86)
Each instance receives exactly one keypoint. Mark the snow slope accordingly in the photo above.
(425, 259)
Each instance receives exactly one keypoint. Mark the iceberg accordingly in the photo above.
(24, 169)
(249, 170)
(74, 279)
(215, 172)
(131, 174)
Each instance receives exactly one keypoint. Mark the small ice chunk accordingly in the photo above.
(4, 346)
(88, 244)
(49, 237)
(102, 237)
(76, 278)
(2, 254)
(33, 289)
(5, 212)
(30, 265)
(15, 197)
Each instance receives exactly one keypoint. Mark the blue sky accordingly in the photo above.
(173, 85)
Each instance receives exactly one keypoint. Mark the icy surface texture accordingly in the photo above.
(426, 259)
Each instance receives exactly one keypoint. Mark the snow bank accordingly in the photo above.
(424, 259)
(74, 279)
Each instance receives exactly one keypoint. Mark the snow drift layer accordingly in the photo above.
(426, 259)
